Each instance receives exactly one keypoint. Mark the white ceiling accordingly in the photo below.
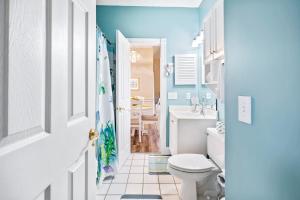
(152, 3)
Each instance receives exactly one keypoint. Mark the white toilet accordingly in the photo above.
(199, 174)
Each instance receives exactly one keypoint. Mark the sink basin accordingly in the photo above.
(186, 112)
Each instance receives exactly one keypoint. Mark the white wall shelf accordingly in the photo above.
(185, 69)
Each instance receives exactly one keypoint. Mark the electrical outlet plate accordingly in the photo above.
(172, 95)
(208, 95)
(188, 95)
(244, 109)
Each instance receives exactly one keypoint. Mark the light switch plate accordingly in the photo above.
(172, 95)
(245, 109)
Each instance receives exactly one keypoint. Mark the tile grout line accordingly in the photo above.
(107, 190)
(159, 185)
(120, 183)
(175, 185)
(143, 177)
(128, 174)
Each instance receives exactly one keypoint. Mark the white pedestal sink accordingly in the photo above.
(188, 129)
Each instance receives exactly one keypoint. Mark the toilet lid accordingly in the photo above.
(190, 163)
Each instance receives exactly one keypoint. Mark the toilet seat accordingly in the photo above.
(191, 163)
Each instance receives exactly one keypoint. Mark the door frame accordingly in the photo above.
(162, 43)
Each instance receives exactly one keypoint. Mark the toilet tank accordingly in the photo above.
(216, 147)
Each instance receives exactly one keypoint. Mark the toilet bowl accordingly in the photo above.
(193, 170)
(199, 174)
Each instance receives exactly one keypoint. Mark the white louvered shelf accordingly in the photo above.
(186, 69)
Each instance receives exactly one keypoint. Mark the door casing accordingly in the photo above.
(162, 43)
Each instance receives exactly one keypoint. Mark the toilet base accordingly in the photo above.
(188, 190)
(197, 185)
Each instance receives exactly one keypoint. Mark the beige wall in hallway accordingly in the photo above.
(143, 70)
(156, 69)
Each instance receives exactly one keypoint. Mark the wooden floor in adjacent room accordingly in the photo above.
(150, 141)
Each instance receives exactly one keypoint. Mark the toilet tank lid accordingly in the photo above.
(191, 162)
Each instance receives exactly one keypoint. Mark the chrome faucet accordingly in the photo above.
(195, 106)
(202, 106)
(195, 103)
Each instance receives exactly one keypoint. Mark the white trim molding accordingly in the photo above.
(162, 43)
(151, 3)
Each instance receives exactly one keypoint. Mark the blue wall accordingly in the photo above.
(262, 45)
(178, 25)
(204, 8)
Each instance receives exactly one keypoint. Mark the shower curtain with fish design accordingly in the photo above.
(106, 152)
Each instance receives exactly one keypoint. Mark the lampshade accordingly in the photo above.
(200, 37)
(194, 43)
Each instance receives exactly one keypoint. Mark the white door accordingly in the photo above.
(47, 99)
(123, 97)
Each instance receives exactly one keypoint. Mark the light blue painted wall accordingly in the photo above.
(178, 25)
(204, 8)
(262, 45)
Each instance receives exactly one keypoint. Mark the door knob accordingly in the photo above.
(93, 136)
(120, 108)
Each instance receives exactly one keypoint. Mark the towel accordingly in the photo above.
(220, 127)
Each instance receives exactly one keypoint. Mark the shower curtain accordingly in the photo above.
(106, 153)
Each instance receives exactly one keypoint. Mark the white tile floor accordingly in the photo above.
(133, 178)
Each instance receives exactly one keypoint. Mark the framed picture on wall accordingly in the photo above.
(134, 83)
